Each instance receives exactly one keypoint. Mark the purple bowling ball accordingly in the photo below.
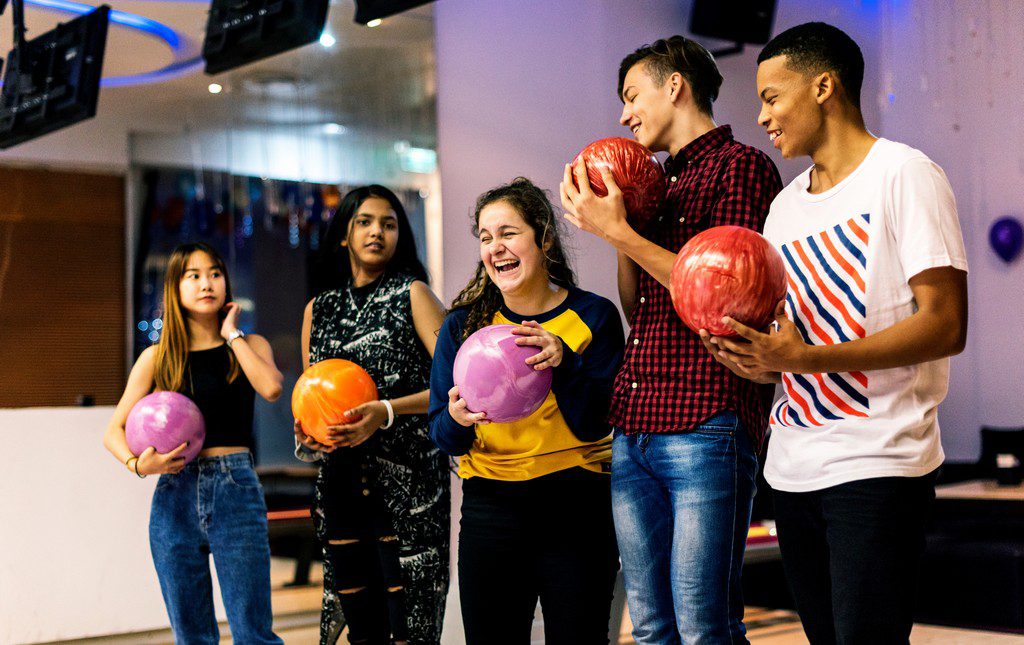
(493, 377)
(165, 420)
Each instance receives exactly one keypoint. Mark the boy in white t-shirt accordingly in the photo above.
(877, 302)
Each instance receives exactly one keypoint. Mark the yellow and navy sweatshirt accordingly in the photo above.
(570, 428)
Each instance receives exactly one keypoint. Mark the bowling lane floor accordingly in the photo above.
(297, 611)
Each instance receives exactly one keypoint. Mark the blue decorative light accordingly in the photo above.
(143, 325)
(187, 58)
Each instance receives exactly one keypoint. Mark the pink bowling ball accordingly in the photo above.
(165, 420)
(493, 377)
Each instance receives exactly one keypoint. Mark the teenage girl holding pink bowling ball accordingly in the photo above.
(536, 507)
(212, 505)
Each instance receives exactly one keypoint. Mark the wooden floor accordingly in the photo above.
(297, 612)
(774, 627)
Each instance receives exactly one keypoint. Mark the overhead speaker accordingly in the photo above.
(367, 10)
(738, 21)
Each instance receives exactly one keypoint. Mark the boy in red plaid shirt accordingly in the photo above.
(687, 428)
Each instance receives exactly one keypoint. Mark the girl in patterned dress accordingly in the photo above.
(382, 494)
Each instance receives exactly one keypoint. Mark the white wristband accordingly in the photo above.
(391, 414)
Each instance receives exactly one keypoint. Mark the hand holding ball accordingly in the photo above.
(727, 271)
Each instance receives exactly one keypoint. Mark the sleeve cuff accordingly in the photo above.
(571, 363)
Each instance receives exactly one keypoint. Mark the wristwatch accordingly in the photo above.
(238, 333)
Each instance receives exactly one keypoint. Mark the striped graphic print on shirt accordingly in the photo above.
(826, 300)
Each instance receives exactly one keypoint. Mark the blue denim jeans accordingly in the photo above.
(681, 504)
(214, 506)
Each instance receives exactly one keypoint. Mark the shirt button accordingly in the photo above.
(366, 492)
(673, 179)
(636, 341)
(634, 385)
(642, 300)
(364, 479)
(682, 219)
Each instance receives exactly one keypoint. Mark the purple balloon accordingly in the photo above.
(165, 420)
(493, 377)
(1006, 238)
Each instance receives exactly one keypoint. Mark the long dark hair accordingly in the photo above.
(481, 296)
(173, 348)
(335, 269)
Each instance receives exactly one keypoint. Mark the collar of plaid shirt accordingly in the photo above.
(668, 382)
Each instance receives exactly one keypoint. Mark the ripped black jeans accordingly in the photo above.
(361, 543)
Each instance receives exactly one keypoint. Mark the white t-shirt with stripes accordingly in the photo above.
(849, 253)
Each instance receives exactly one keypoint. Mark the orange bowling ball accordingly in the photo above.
(325, 391)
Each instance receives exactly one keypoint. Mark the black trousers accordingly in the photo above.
(549, 538)
(851, 552)
(367, 570)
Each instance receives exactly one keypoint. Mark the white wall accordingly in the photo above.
(75, 540)
(522, 87)
(953, 70)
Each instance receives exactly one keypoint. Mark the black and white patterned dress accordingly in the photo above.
(372, 326)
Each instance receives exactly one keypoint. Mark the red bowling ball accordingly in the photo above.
(727, 271)
(636, 171)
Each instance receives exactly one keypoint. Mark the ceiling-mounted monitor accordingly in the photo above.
(53, 80)
(239, 32)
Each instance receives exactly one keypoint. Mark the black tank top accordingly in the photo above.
(226, 407)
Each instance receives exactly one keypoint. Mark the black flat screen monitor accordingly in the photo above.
(55, 81)
(239, 32)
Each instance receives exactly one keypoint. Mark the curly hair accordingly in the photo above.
(481, 296)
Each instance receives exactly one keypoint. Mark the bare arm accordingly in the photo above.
(427, 316)
(936, 330)
(300, 436)
(256, 358)
(655, 260)
(307, 325)
(140, 383)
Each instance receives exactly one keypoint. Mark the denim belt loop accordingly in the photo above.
(642, 439)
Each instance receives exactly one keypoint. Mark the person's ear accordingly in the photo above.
(824, 87)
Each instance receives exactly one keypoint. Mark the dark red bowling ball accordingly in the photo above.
(727, 271)
(636, 171)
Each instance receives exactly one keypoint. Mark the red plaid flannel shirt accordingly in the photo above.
(668, 381)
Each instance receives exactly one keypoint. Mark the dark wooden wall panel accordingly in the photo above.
(62, 287)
